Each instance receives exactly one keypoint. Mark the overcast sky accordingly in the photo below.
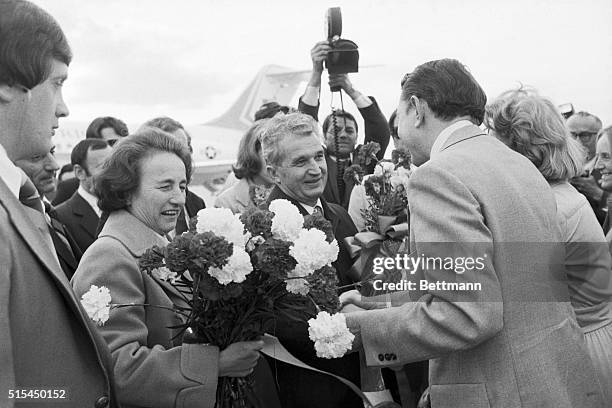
(190, 59)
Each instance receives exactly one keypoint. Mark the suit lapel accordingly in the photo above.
(89, 218)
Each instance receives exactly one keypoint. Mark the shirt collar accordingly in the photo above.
(91, 199)
(311, 208)
(445, 134)
(12, 175)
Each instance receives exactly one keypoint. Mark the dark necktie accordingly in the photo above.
(341, 165)
(59, 236)
(29, 196)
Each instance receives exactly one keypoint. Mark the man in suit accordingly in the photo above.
(514, 342)
(193, 202)
(105, 128)
(41, 170)
(296, 162)
(48, 342)
(340, 129)
(81, 214)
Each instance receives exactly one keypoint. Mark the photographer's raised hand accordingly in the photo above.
(239, 359)
(343, 81)
(318, 54)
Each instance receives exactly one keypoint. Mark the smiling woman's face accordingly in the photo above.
(160, 196)
(604, 161)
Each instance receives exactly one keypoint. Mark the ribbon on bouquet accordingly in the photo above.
(367, 245)
(274, 349)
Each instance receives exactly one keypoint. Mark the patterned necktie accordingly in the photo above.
(341, 165)
(29, 196)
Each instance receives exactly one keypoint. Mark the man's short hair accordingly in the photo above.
(280, 127)
(586, 114)
(79, 152)
(340, 115)
(448, 88)
(30, 39)
(168, 125)
(269, 110)
(96, 126)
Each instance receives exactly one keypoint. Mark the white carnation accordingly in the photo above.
(297, 286)
(96, 303)
(384, 168)
(164, 274)
(223, 223)
(331, 336)
(237, 268)
(312, 251)
(287, 222)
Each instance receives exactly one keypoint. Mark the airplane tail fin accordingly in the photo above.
(279, 84)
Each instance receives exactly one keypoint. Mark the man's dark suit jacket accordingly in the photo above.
(299, 388)
(80, 220)
(376, 130)
(68, 255)
(193, 203)
(65, 190)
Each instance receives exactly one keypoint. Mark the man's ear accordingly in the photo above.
(79, 172)
(8, 93)
(420, 106)
(273, 173)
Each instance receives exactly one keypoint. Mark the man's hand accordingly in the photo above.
(239, 359)
(588, 186)
(318, 54)
(352, 301)
(342, 81)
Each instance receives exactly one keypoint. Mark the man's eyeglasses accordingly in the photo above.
(584, 136)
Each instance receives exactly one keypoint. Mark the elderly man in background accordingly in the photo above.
(41, 170)
(585, 127)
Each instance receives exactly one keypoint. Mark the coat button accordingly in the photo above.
(388, 357)
(381, 357)
(102, 402)
(393, 356)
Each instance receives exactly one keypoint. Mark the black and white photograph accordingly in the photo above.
(282, 204)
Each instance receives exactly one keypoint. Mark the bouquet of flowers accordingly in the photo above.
(386, 214)
(237, 273)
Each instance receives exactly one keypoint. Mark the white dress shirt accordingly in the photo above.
(91, 199)
(12, 175)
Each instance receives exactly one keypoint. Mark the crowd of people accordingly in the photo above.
(511, 181)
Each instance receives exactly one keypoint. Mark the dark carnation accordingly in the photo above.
(318, 221)
(177, 253)
(152, 258)
(373, 187)
(401, 158)
(353, 174)
(367, 153)
(257, 221)
(272, 257)
(323, 289)
(208, 250)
